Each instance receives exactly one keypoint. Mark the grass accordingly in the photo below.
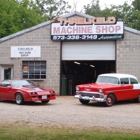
(28, 131)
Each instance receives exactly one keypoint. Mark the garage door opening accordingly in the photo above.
(80, 72)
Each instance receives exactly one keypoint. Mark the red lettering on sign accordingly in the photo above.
(107, 29)
(56, 30)
(69, 30)
(63, 31)
(72, 30)
(117, 28)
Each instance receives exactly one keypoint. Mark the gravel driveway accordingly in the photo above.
(66, 110)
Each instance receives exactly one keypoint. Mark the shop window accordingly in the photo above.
(34, 69)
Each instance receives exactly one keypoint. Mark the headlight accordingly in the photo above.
(77, 88)
(100, 90)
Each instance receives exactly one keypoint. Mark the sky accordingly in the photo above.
(103, 3)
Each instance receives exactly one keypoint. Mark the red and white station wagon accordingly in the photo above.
(109, 88)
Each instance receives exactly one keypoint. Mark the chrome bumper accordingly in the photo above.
(91, 98)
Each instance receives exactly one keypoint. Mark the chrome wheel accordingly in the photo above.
(19, 99)
(110, 100)
(139, 98)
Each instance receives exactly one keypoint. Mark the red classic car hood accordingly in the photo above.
(97, 86)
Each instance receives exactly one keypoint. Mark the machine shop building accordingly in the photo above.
(70, 50)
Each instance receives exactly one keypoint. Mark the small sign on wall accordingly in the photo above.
(25, 51)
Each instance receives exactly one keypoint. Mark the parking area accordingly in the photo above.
(66, 110)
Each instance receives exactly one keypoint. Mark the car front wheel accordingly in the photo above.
(85, 102)
(19, 99)
(110, 99)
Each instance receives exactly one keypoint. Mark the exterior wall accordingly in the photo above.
(50, 51)
(128, 54)
(0, 72)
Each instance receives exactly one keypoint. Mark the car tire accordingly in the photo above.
(85, 102)
(45, 102)
(19, 99)
(138, 99)
(110, 100)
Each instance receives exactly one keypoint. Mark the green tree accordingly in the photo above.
(93, 8)
(122, 12)
(135, 16)
(130, 14)
(136, 4)
(53, 8)
(16, 16)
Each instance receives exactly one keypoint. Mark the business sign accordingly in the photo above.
(25, 51)
(87, 29)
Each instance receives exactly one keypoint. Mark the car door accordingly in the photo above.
(136, 88)
(125, 89)
(5, 90)
(1, 92)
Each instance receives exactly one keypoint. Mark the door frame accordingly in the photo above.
(4, 66)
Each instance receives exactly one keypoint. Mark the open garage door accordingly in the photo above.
(97, 50)
(82, 62)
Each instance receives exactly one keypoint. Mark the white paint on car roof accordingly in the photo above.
(118, 75)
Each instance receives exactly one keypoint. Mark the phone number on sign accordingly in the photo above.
(75, 37)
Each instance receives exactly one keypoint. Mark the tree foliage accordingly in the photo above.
(135, 16)
(130, 14)
(93, 8)
(136, 4)
(52, 8)
(16, 16)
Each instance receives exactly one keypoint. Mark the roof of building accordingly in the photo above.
(49, 22)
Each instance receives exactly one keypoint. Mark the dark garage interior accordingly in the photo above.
(80, 72)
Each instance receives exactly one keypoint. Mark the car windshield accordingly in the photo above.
(31, 83)
(20, 83)
(106, 79)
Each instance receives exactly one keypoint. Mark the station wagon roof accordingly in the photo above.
(118, 75)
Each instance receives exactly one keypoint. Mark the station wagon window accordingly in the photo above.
(133, 81)
(34, 69)
(124, 81)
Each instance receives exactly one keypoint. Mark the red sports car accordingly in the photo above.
(22, 91)
(109, 88)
